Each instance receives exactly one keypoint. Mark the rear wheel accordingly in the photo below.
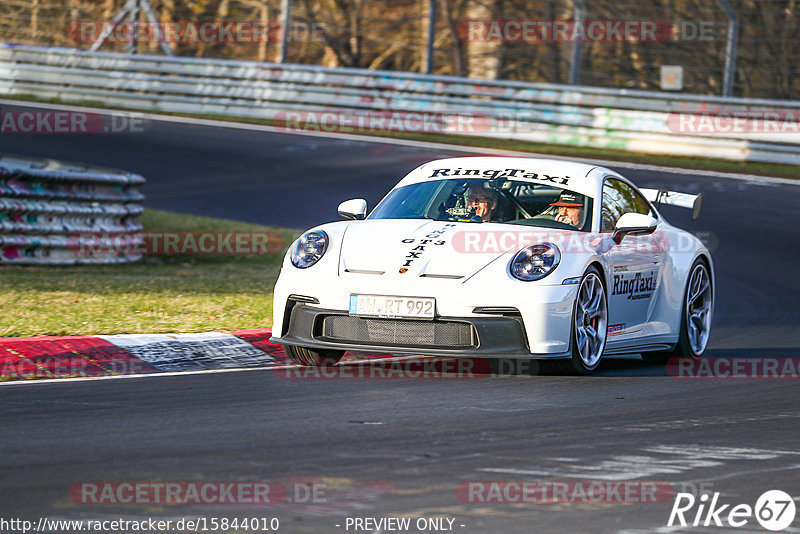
(589, 326)
(312, 357)
(698, 302)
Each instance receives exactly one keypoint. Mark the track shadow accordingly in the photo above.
(716, 363)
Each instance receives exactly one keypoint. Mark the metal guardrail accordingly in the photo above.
(630, 120)
(49, 208)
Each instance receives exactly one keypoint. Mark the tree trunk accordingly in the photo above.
(458, 44)
(262, 43)
(483, 57)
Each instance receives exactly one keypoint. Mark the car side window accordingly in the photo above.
(618, 199)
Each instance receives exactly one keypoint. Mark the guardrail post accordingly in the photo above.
(286, 20)
(730, 48)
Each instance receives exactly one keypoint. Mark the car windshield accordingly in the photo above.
(478, 200)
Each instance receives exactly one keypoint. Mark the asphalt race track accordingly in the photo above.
(400, 448)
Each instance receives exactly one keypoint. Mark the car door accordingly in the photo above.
(636, 262)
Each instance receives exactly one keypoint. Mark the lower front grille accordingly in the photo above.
(431, 334)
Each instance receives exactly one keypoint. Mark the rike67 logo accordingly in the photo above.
(774, 510)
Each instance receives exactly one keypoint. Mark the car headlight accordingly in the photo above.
(535, 262)
(309, 249)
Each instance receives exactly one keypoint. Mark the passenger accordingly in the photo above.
(483, 200)
(570, 209)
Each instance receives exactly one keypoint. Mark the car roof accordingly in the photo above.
(558, 173)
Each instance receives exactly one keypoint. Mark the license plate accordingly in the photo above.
(393, 307)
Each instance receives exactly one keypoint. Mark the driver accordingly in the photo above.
(570, 209)
(483, 200)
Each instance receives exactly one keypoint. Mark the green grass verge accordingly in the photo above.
(157, 295)
(708, 164)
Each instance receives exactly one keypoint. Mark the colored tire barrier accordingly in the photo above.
(48, 209)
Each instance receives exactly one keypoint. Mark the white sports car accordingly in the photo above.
(500, 257)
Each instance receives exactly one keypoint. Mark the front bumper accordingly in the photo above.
(490, 336)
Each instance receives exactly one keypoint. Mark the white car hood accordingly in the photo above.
(405, 248)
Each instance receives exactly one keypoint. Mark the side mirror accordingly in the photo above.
(354, 209)
(634, 223)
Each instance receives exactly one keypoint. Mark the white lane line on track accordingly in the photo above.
(79, 379)
(651, 461)
(739, 474)
(159, 374)
(751, 178)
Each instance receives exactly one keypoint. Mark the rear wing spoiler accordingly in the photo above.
(672, 198)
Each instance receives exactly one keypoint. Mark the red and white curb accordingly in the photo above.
(28, 358)
(192, 352)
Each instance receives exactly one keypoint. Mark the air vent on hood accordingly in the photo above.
(364, 271)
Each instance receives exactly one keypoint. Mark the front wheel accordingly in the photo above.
(589, 326)
(311, 357)
(698, 303)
